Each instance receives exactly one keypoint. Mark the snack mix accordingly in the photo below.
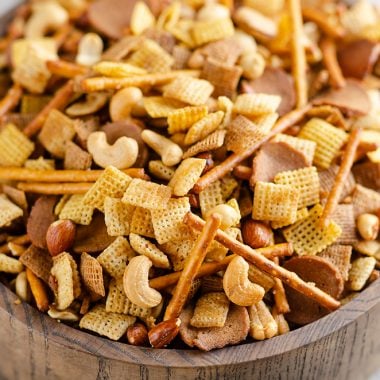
(190, 173)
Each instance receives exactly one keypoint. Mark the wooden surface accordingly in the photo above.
(343, 345)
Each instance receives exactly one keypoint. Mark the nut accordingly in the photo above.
(137, 335)
(60, 236)
(136, 283)
(123, 102)
(213, 11)
(63, 315)
(263, 325)
(22, 287)
(122, 154)
(257, 234)
(90, 50)
(92, 104)
(368, 226)
(253, 65)
(228, 214)
(164, 333)
(237, 286)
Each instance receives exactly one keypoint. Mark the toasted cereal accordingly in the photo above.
(111, 183)
(269, 8)
(117, 69)
(340, 256)
(212, 142)
(32, 104)
(8, 211)
(328, 138)
(147, 194)
(259, 277)
(228, 184)
(182, 119)
(141, 222)
(76, 158)
(40, 163)
(305, 180)
(213, 30)
(189, 90)
(92, 274)
(204, 127)
(186, 175)
(217, 251)
(178, 251)
(211, 310)
(148, 249)
(212, 284)
(59, 206)
(308, 236)
(15, 147)
(275, 202)
(182, 32)
(111, 325)
(266, 122)
(117, 216)
(225, 104)
(10, 264)
(39, 261)
(210, 197)
(161, 171)
(256, 104)
(302, 213)
(226, 51)
(360, 271)
(158, 106)
(141, 19)
(262, 323)
(365, 200)
(115, 257)
(76, 210)
(168, 223)
(343, 216)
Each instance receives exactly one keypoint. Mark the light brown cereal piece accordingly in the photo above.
(76, 158)
(181, 55)
(365, 200)
(39, 261)
(210, 310)
(251, 105)
(228, 185)
(115, 257)
(266, 122)
(178, 251)
(161, 171)
(76, 210)
(10, 264)
(182, 119)
(262, 324)
(225, 104)
(217, 251)
(340, 256)
(92, 274)
(117, 216)
(360, 271)
(226, 51)
(343, 216)
(259, 277)
(213, 30)
(158, 106)
(210, 197)
(302, 213)
(111, 325)
(8, 211)
(40, 164)
(212, 142)
(141, 222)
(211, 284)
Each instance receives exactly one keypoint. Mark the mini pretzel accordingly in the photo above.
(11, 99)
(55, 188)
(266, 265)
(234, 159)
(192, 265)
(59, 101)
(38, 289)
(341, 177)
(299, 65)
(65, 69)
(331, 62)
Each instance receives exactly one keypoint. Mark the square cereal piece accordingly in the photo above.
(158, 106)
(181, 55)
(40, 164)
(256, 104)
(343, 216)
(75, 210)
(111, 325)
(225, 104)
(39, 261)
(217, 251)
(266, 122)
(212, 142)
(340, 256)
(92, 274)
(211, 310)
(189, 90)
(228, 184)
(168, 223)
(226, 51)
(182, 119)
(365, 200)
(15, 147)
(305, 180)
(360, 272)
(302, 213)
(275, 202)
(328, 138)
(213, 30)
(148, 249)
(159, 170)
(117, 216)
(111, 183)
(210, 197)
(76, 158)
(178, 251)
(147, 194)
(186, 175)
(204, 127)
(141, 222)
(115, 257)
(10, 264)
(308, 236)
(8, 211)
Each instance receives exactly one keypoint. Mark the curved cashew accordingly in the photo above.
(47, 15)
(237, 286)
(89, 50)
(171, 153)
(229, 215)
(22, 288)
(122, 154)
(93, 103)
(263, 325)
(136, 283)
(63, 315)
(123, 102)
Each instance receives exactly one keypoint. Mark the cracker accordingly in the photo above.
(302, 213)
(40, 163)
(39, 261)
(261, 278)
(211, 310)
(15, 147)
(10, 264)
(141, 19)
(32, 104)
(328, 138)
(76, 210)
(226, 51)
(210, 197)
(182, 119)
(115, 257)
(343, 216)
(212, 142)
(148, 249)
(305, 180)
(181, 55)
(111, 325)
(117, 69)
(178, 251)
(340, 256)
(189, 90)
(213, 30)
(365, 200)
(158, 106)
(225, 104)
(161, 171)
(275, 202)
(262, 323)
(360, 272)
(228, 185)
(147, 194)
(212, 284)
(76, 158)
(251, 105)
(111, 183)
(8, 211)
(117, 216)
(141, 222)
(308, 236)
(92, 274)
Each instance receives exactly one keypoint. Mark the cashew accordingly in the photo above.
(262, 323)
(63, 315)
(93, 103)
(22, 287)
(89, 50)
(124, 101)
(171, 153)
(253, 64)
(136, 283)
(229, 215)
(237, 286)
(46, 16)
(213, 11)
(122, 154)
(368, 226)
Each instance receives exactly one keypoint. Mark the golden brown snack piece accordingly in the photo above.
(38, 261)
(11, 100)
(38, 290)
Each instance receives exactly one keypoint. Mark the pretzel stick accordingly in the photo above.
(55, 188)
(234, 159)
(328, 49)
(267, 266)
(341, 177)
(65, 69)
(298, 52)
(192, 265)
(279, 294)
(38, 290)
(11, 99)
(31, 175)
(21, 240)
(59, 101)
